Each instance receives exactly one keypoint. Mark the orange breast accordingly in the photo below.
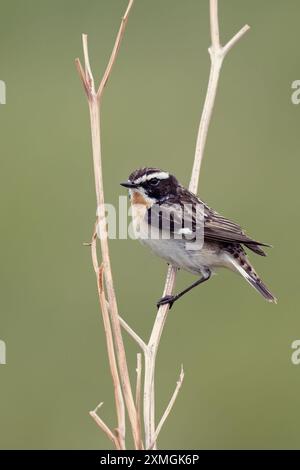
(138, 198)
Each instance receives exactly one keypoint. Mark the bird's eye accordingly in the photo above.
(154, 181)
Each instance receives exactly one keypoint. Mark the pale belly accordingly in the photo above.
(195, 261)
(177, 252)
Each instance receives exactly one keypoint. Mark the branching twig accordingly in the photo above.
(115, 50)
(169, 407)
(133, 334)
(94, 102)
(217, 54)
(104, 426)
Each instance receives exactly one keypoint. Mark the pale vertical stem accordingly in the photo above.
(120, 408)
(217, 54)
(214, 23)
(148, 395)
(94, 102)
(138, 388)
(150, 361)
(204, 122)
(152, 429)
(119, 345)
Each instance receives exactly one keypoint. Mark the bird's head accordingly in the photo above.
(149, 186)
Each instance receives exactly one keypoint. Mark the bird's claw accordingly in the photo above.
(168, 299)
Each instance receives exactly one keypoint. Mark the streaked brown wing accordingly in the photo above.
(221, 229)
(218, 228)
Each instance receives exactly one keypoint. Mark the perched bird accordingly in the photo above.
(188, 234)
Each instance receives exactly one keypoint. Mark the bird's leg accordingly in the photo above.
(170, 299)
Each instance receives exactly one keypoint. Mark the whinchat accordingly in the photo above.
(188, 234)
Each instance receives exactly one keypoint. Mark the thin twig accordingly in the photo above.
(102, 425)
(138, 389)
(88, 70)
(115, 50)
(94, 102)
(214, 24)
(217, 54)
(120, 408)
(81, 74)
(133, 334)
(150, 361)
(235, 39)
(169, 407)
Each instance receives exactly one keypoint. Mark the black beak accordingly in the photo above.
(129, 184)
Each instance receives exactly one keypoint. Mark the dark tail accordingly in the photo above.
(250, 275)
(256, 248)
(262, 289)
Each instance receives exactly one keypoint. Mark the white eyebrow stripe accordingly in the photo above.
(142, 179)
(161, 175)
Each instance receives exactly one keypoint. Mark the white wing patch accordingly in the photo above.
(185, 231)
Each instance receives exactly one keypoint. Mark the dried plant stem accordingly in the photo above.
(114, 316)
(169, 407)
(104, 427)
(217, 54)
(94, 102)
(138, 389)
(120, 408)
(133, 334)
(150, 362)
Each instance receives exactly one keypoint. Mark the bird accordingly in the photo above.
(184, 231)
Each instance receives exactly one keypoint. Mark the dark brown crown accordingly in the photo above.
(140, 172)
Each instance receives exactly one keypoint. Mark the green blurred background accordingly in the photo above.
(241, 389)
